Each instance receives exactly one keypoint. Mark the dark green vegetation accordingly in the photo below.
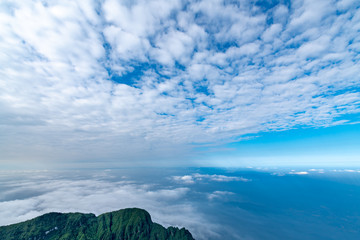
(126, 224)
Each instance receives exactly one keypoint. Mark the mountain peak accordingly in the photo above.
(125, 224)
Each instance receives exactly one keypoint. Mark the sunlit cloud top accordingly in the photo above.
(105, 80)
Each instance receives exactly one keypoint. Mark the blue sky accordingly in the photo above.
(122, 83)
(336, 146)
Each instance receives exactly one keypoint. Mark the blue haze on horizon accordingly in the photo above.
(179, 83)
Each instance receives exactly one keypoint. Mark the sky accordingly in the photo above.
(136, 83)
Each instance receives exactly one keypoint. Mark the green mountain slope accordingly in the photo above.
(125, 224)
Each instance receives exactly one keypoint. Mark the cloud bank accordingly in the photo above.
(37, 195)
(105, 80)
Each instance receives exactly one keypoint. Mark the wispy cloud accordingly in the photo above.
(144, 79)
(299, 173)
(219, 194)
(190, 179)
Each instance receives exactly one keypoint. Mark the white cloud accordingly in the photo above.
(280, 14)
(316, 170)
(147, 79)
(346, 4)
(314, 48)
(126, 44)
(309, 14)
(271, 32)
(141, 18)
(167, 206)
(176, 45)
(299, 173)
(185, 179)
(190, 179)
(219, 194)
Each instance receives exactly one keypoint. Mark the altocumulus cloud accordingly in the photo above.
(91, 80)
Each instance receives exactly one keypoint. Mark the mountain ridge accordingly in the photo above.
(124, 224)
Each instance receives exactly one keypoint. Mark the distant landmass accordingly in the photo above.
(125, 224)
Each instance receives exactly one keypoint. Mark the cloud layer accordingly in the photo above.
(279, 202)
(42, 192)
(105, 80)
